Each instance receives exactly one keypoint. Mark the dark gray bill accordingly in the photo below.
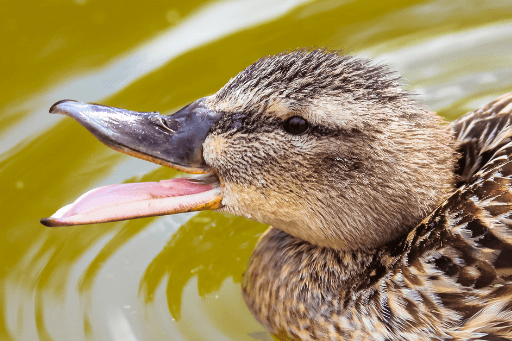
(174, 141)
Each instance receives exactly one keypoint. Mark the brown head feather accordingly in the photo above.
(371, 165)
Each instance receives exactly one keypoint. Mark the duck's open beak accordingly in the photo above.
(175, 141)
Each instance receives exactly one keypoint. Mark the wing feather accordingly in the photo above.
(462, 252)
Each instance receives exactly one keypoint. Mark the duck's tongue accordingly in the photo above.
(137, 200)
(174, 141)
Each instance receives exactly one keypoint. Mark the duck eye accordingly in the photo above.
(296, 125)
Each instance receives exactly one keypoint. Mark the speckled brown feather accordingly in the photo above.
(450, 278)
(387, 225)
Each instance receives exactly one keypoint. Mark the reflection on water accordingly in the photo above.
(202, 247)
(177, 277)
(448, 68)
(206, 25)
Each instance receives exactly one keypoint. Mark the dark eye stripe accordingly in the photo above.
(296, 125)
(254, 123)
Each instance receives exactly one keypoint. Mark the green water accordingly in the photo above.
(177, 277)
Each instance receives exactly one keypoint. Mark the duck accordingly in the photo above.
(387, 223)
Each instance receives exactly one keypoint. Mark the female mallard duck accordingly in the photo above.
(388, 224)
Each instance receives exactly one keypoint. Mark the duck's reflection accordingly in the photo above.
(211, 246)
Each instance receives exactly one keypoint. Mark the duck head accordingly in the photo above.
(323, 146)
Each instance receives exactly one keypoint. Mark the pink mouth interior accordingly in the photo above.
(135, 200)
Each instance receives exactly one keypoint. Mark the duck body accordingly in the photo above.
(449, 278)
(388, 224)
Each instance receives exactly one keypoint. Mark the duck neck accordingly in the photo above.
(287, 274)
